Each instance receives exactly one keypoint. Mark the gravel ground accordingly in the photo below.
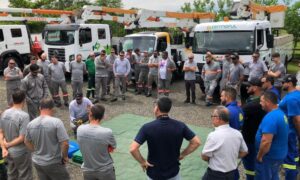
(198, 115)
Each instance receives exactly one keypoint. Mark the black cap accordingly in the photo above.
(254, 82)
(290, 78)
(79, 95)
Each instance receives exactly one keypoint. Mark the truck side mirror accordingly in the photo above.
(163, 46)
(270, 40)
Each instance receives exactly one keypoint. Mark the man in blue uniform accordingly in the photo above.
(228, 98)
(290, 105)
(271, 141)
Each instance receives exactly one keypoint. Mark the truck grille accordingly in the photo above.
(61, 54)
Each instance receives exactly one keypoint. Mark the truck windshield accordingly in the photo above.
(144, 43)
(59, 37)
(220, 42)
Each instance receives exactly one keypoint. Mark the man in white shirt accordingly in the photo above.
(223, 147)
(78, 110)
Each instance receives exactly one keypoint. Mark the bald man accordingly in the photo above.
(90, 67)
(189, 68)
(43, 63)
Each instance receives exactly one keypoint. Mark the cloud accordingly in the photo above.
(163, 5)
(4, 3)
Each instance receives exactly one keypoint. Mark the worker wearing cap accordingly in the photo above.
(165, 71)
(26, 70)
(78, 110)
(211, 73)
(12, 75)
(253, 115)
(143, 76)
(226, 64)
(153, 71)
(77, 70)
(290, 105)
(90, 66)
(36, 88)
(235, 75)
(57, 72)
(268, 85)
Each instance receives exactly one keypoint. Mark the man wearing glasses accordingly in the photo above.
(223, 147)
(189, 68)
(35, 88)
(226, 64)
(12, 76)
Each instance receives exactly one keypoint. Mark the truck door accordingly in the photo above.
(103, 40)
(18, 40)
(2, 42)
(85, 41)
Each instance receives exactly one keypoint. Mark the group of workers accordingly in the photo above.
(263, 131)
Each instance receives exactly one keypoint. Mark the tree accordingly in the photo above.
(292, 22)
(109, 3)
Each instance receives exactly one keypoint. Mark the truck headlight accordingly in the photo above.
(72, 57)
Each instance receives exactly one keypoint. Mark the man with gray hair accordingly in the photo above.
(43, 63)
(77, 70)
(47, 138)
(143, 76)
(223, 147)
(189, 68)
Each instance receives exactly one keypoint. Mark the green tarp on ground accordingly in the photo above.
(125, 128)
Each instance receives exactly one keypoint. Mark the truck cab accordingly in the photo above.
(68, 40)
(15, 42)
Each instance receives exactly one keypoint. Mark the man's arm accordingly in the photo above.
(135, 152)
(29, 145)
(265, 145)
(45, 88)
(242, 154)
(4, 150)
(205, 158)
(296, 120)
(193, 145)
(64, 146)
(14, 142)
(128, 68)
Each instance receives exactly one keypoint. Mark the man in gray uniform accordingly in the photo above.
(165, 71)
(136, 66)
(277, 71)
(57, 72)
(189, 68)
(77, 69)
(144, 70)
(111, 78)
(257, 68)
(211, 72)
(225, 70)
(26, 71)
(96, 143)
(12, 76)
(35, 87)
(153, 71)
(43, 62)
(121, 70)
(101, 67)
(236, 73)
(47, 138)
(13, 125)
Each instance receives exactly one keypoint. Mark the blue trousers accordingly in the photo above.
(249, 162)
(267, 170)
(291, 161)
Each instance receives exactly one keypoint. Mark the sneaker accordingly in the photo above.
(148, 95)
(103, 99)
(58, 105)
(187, 101)
(208, 104)
(66, 104)
(193, 102)
(114, 99)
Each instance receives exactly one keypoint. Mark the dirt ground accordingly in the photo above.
(198, 115)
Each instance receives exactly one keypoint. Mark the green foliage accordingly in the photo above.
(267, 2)
(110, 3)
(292, 22)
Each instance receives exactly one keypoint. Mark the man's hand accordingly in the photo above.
(65, 160)
(6, 144)
(181, 157)
(259, 159)
(4, 152)
(145, 165)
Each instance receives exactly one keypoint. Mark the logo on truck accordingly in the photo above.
(221, 27)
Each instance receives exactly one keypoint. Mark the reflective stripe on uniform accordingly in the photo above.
(289, 166)
(296, 159)
(65, 94)
(1, 161)
(250, 173)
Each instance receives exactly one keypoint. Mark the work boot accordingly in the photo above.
(93, 93)
(113, 99)
(187, 101)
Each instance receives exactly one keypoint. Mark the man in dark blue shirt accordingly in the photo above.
(164, 137)
(228, 99)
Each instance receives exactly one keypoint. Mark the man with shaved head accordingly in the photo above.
(90, 67)
(189, 68)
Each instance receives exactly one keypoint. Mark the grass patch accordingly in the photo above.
(293, 67)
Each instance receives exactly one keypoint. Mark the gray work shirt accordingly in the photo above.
(46, 133)
(101, 67)
(235, 72)
(94, 141)
(121, 67)
(44, 65)
(211, 71)
(138, 59)
(57, 72)
(111, 59)
(226, 68)
(278, 67)
(77, 70)
(35, 87)
(257, 70)
(190, 75)
(14, 81)
(13, 124)
(153, 60)
(166, 64)
(144, 64)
